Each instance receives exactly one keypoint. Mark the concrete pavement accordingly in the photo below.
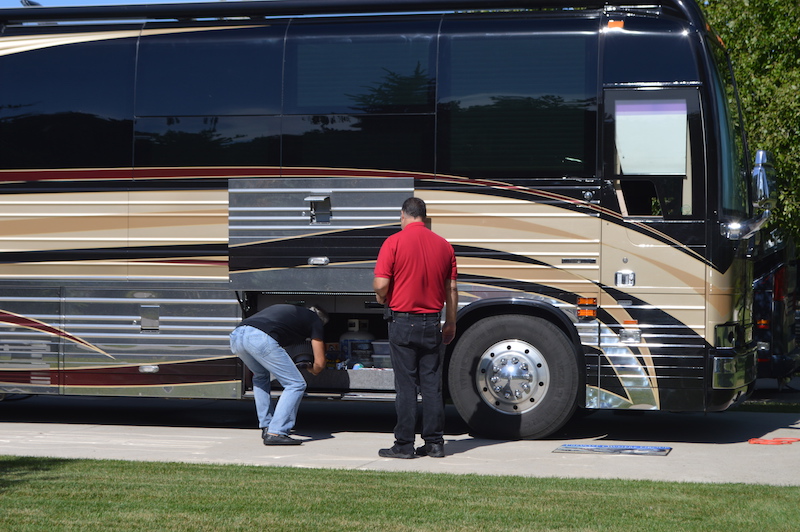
(703, 447)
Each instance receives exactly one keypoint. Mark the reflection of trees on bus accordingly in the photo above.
(397, 93)
(202, 141)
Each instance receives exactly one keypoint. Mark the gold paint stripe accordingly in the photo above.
(145, 386)
(26, 43)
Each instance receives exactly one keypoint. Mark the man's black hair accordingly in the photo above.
(415, 208)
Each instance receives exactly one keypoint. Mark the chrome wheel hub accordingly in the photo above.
(512, 376)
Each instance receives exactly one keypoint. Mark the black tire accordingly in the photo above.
(536, 377)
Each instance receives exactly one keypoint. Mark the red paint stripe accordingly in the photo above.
(204, 173)
(348, 172)
(36, 325)
(105, 174)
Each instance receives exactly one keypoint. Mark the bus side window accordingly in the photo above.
(210, 96)
(360, 94)
(652, 167)
(210, 71)
(67, 105)
(517, 99)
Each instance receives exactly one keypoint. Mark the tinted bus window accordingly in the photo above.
(362, 95)
(518, 98)
(364, 67)
(210, 71)
(642, 51)
(67, 105)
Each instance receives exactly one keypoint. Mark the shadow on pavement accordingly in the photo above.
(315, 415)
(725, 427)
(323, 418)
(137, 411)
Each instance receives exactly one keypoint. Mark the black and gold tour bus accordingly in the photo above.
(167, 169)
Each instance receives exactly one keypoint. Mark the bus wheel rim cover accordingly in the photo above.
(512, 376)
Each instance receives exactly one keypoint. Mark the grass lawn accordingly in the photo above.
(59, 494)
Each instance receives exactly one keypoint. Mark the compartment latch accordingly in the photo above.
(319, 208)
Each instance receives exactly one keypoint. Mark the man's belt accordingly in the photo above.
(414, 314)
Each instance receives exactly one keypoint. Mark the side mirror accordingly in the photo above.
(763, 182)
(764, 200)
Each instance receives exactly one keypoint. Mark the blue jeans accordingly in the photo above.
(265, 357)
(416, 350)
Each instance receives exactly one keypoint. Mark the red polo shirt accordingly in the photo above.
(419, 263)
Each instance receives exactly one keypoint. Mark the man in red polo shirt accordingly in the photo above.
(415, 276)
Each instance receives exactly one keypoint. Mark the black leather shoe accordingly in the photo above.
(395, 452)
(281, 439)
(265, 433)
(434, 450)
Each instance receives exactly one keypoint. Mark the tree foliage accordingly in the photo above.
(763, 39)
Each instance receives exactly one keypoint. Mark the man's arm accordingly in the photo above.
(451, 307)
(381, 287)
(318, 347)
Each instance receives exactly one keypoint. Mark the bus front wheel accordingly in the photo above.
(514, 376)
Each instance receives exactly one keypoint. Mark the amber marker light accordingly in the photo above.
(587, 307)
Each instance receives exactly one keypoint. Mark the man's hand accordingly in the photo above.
(318, 347)
(448, 332)
(310, 367)
(451, 308)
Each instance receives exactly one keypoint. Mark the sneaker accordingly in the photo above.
(281, 439)
(434, 450)
(395, 452)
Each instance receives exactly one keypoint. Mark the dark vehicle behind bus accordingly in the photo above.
(775, 308)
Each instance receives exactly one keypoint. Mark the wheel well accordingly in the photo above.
(484, 309)
(532, 308)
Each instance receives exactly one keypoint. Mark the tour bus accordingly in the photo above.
(166, 170)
